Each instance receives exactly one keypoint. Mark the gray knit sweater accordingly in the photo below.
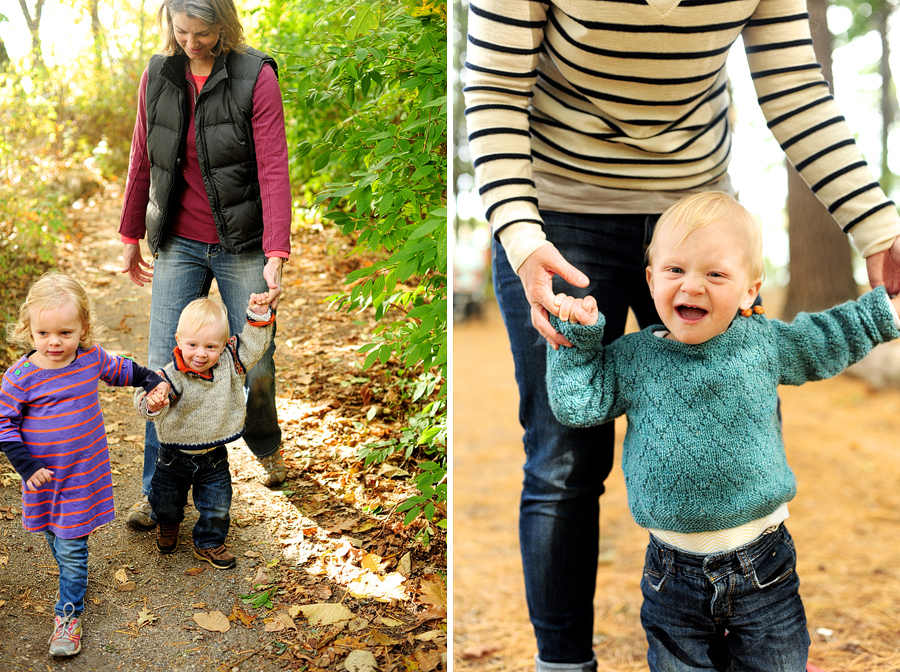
(208, 410)
(703, 449)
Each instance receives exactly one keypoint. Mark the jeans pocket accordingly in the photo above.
(165, 457)
(655, 573)
(776, 564)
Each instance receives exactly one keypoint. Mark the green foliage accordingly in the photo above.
(365, 84)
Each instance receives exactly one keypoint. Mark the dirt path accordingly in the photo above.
(842, 440)
(310, 542)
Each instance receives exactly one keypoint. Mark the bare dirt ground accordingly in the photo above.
(325, 567)
(842, 442)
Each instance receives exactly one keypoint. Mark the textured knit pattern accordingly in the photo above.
(625, 95)
(56, 414)
(208, 410)
(703, 449)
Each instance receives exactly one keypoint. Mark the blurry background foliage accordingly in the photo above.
(364, 85)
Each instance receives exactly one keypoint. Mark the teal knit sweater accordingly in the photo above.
(703, 450)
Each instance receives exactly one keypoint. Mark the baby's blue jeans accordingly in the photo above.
(751, 592)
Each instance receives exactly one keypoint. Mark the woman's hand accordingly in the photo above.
(134, 265)
(272, 275)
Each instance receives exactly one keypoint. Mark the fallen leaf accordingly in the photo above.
(382, 639)
(360, 661)
(478, 652)
(432, 636)
(145, 617)
(126, 587)
(377, 587)
(372, 562)
(326, 614)
(4, 559)
(121, 575)
(433, 591)
(237, 613)
(194, 571)
(390, 471)
(214, 621)
(390, 622)
(251, 554)
(428, 660)
(279, 623)
(262, 578)
(404, 567)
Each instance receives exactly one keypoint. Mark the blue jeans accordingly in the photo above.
(183, 270)
(175, 474)
(751, 592)
(71, 557)
(564, 467)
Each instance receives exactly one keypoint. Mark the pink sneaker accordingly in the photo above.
(66, 637)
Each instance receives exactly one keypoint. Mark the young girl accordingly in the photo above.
(703, 458)
(51, 429)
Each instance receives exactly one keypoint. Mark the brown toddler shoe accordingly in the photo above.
(167, 538)
(217, 556)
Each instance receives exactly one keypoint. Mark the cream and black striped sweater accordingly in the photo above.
(633, 95)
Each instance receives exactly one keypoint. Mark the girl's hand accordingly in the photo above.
(41, 476)
(577, 311)
(158, 397)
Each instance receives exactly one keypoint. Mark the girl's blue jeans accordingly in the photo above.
(691, 600)
(565, 467)
(71, 557)
(183, 270)
(208, 474)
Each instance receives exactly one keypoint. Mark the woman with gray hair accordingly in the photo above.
(208, 185)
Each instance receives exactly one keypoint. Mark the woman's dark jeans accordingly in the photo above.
(565, 467)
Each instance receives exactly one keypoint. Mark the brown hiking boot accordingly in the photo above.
(167, 538)
(217, 556)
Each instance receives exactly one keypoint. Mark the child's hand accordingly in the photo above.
(577, 311)
(259, 303)
(41, 476)
(158, 397)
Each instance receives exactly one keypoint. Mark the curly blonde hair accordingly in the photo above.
(222, 13)
(49, 292)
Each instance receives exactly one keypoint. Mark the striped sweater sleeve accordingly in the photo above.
(633, 95)
(804, 118)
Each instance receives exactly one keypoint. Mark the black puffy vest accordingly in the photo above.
(225, 147)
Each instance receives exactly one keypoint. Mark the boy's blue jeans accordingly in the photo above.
(183, 270)
(565, 467)
(690, 600)
(175, 474)
(71, 557)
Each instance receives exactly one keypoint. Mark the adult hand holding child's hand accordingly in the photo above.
(577, 311)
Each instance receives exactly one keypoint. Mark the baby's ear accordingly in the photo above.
(752, 293)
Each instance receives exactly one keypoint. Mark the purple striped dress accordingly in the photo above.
(56, 414)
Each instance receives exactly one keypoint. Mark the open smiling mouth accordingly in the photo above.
(690, 313)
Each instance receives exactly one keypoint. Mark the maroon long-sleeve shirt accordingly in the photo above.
(194, 218)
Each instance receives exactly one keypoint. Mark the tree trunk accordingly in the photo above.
(97, 34)
(820, 260)
(34, 27)
(887, 97)
(4, 56)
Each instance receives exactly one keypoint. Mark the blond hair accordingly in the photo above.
(50, 292)
(201, 313)
(694, 212)
(211, 12)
